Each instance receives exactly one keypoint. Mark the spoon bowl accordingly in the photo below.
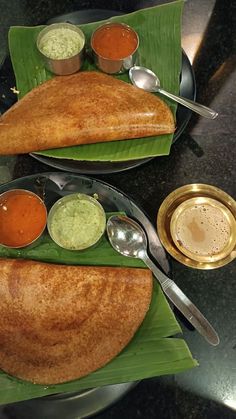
(145, 79)
(129, 239)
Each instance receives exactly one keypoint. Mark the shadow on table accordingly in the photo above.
(215, 59)
(155, 398)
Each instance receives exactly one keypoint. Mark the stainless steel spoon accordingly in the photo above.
(128, 238)
(145, 79)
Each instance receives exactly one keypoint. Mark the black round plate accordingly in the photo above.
(187, 89)
(52, 186)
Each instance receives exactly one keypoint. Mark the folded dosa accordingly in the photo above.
(87, 107)
(59, 323)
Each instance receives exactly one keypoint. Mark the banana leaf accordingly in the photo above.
(150, 353)
(159, 30)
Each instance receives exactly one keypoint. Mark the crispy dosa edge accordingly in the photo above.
(59, 323)
(84, 108)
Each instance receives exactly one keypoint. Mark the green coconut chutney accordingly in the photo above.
(61, 43)
(76, 222)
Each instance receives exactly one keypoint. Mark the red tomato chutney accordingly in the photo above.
(23, 217)
(114, 41)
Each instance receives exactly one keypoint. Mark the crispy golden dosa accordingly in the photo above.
(87, 107)
(59, 323)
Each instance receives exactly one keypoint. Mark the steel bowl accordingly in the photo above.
(76, 197)
(113, 66)
(24, 191)
(68, 65)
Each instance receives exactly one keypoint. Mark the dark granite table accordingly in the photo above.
(205, 153)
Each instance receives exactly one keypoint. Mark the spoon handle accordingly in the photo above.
(194, 106)
(185, 306)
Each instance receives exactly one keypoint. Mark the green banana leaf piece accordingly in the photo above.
(159, 30)
(149, 354)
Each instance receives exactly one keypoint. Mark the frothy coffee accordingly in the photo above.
(203, 229)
